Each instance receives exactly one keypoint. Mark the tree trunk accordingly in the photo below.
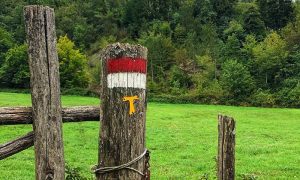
(23, 115)
(226, 148)
(123, 110)
(45, 92)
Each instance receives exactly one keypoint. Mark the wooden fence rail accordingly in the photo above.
(15, 146)
(23, 115)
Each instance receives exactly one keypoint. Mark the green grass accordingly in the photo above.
(182, 140)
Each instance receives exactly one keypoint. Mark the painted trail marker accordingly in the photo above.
(122, 152)
(126, 72)
(131, 100)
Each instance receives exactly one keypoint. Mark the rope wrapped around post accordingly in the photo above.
(146, 174)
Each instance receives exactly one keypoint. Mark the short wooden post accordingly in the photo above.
(226, 148)
(45, 92)
(123, 113)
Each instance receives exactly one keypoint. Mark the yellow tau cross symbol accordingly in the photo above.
(131, 100)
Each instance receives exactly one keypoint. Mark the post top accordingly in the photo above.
(117, 50)
(36, 6)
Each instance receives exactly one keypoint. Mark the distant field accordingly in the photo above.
(182, 140)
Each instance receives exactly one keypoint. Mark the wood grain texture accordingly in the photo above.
(45, 92)
(122, 136)
(226, 148)
(23, 115)
(17, 145)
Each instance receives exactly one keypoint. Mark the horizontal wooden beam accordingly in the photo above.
(16, 146)
(23, 115)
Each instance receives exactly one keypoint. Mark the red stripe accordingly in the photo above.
(127, 64)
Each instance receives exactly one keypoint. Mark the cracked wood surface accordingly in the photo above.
(23, 115)
(45, 92)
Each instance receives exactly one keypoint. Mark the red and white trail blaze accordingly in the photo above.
(127, 72)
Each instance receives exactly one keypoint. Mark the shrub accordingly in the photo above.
(79, 92)
(15, 70)
(289, 97)
(237, 81)
(213, 93)
(72, 64)
(263, 98)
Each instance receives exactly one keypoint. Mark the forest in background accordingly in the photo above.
(233, 52)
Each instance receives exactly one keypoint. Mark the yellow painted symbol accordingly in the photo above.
(131, 100)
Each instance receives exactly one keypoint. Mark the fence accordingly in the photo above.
(122, 152)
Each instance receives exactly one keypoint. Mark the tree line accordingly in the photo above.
(237, 52)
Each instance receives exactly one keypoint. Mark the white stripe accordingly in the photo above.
(126, 80)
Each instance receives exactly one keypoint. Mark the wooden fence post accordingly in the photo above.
(122, 153)
(226, 148)
(45, 92)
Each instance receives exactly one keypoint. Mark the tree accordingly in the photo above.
(160, 57)
(270, 55)
(70, 21)
(206, 72)
(203, 12)
(11, 12)
(224, 12)
(72, 63)
(247, 53)
(139, 12)
(232, 48)
(15, 70)
(234, 28)
(179, 79)
(276, 13)
(6, 42)
(237, 81)
(253, 23)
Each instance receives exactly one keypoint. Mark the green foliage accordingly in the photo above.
(15, 70)
(234, 28)
(74, 174)
(6, 42)
(73, 64)
(270, 55)
(289, 95)
(11, 12)
(213, 93)
(179, 79)
(189, 42)
(232, 48)
(207, 66)
(237, 81)
(203, 12)
(224, 12)
(253, 23)
(160, 54)
(263, 98)
(80, 92)
(276, 13)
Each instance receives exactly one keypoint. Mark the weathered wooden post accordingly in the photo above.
(122, 152)
(226, 148)
(45, 92)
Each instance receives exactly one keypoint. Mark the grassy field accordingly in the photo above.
(182, 140)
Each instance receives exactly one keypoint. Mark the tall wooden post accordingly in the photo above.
(226, 148)
(123, 113)
(45, 92)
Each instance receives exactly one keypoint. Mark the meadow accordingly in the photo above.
(182, 139)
